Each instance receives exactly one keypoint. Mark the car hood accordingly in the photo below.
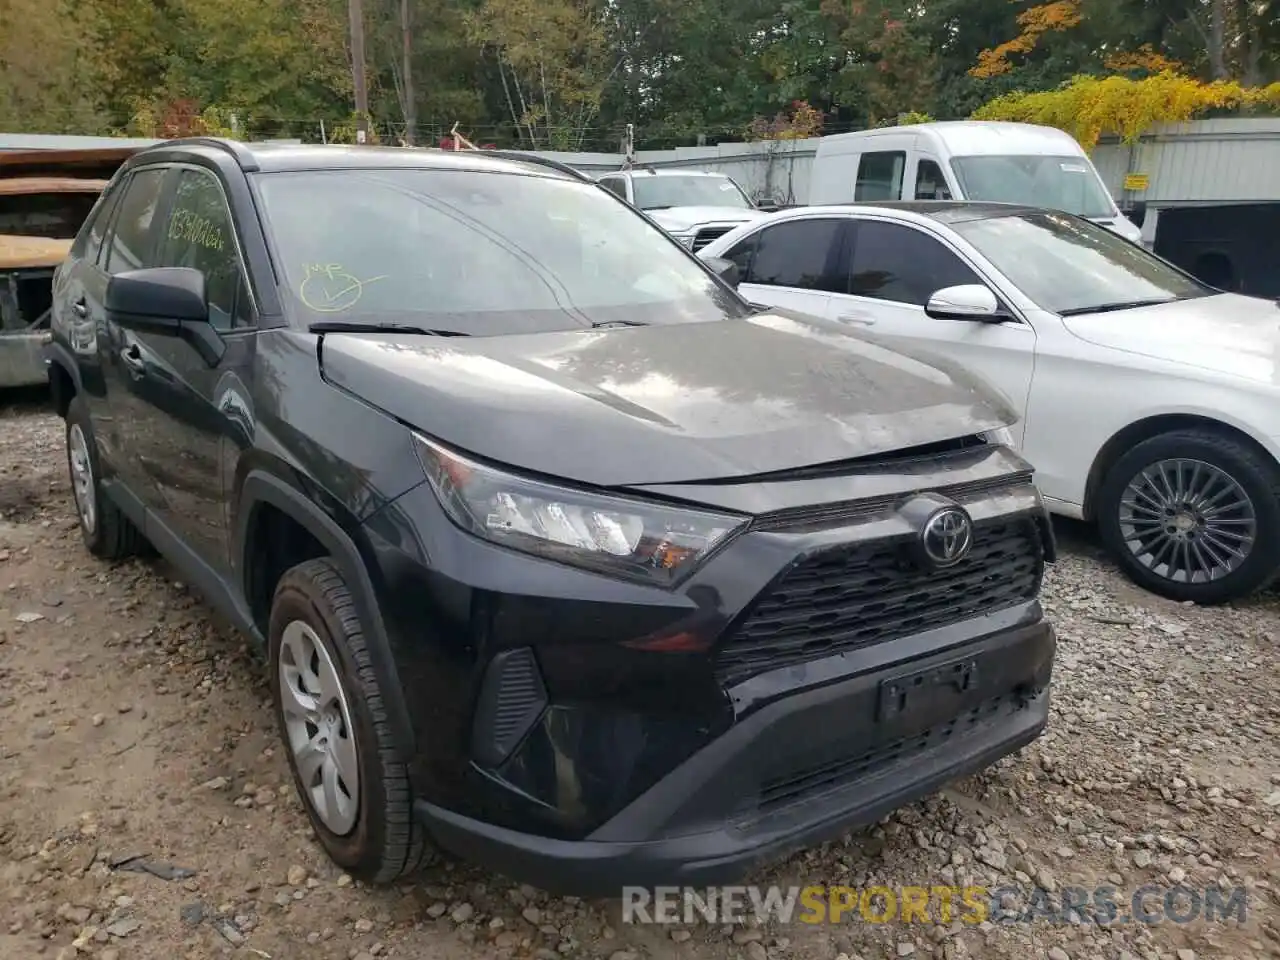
(663, 404)
(1227, 334)
(679, 219)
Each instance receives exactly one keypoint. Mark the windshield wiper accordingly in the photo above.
(1119, 305)
(605, 324)
(348, 326)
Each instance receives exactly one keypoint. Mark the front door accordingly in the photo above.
(122, 353)
(791, 264)
(890, 271)
(200, 403)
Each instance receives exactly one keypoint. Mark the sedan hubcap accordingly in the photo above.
(82, 477)
(1187, 521)
(318, 726)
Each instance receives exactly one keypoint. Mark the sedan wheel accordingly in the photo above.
(1182, 514)
(1188, 521)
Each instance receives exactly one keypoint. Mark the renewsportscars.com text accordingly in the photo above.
(1103, 905)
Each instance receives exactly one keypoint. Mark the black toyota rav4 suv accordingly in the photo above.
(564, 558)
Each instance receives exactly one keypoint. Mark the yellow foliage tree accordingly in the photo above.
(1052, 17)
(1089, 108)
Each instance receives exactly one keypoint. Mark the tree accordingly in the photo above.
(50, 78)
(551, 57)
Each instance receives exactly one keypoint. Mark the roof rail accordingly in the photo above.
(534, 158)
(242, 154)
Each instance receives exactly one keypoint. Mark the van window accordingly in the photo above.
(930, 183)
(880, 175)
(615, 185)
(1059, 183)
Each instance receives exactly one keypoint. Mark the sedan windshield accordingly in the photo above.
(661, 192)
(1067, 265)
(1059, 183)
(479, 254)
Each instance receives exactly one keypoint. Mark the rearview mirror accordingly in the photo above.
(726, 270)
(970, 301)
(165, 300)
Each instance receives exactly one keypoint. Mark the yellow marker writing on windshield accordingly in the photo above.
(331, 288)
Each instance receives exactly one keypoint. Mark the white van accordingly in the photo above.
(965, 160)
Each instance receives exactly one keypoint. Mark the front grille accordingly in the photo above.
(817, 779)
(707, 234)
(858, 595)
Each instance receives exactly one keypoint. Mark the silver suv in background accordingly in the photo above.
(693, 206)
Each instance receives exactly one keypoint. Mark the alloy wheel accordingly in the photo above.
(82, 484)
(1187, 521)
(317, 719)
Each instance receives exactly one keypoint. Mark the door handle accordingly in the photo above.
(131, 357)
(859, 318)
(80, 309)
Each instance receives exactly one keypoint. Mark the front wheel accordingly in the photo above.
(329, 706)
(1192, 515)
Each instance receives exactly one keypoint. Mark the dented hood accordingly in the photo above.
(662, 404)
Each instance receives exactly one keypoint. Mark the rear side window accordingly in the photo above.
(133, 239)
(902, 264)
(880, 175)
(88, 243)
(795, 254)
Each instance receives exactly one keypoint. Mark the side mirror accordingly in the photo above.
(726, 270)
(165, 300)
(970, 301)
(158, 298)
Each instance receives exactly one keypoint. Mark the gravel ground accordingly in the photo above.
(134, 730)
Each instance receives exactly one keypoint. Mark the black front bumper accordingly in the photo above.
(780, 779)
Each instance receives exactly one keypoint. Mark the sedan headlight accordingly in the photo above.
(633, 539)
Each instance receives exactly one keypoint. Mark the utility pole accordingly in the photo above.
(410, 94)
(356, 10)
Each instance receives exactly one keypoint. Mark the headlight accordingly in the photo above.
(1000, 437)
(617, 536)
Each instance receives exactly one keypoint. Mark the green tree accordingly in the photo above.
(50, 78)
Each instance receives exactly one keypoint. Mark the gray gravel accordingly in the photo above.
(136, 744)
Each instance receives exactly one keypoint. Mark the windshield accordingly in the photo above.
(481, 254)
(661, 191)
(1059, 183)
(1068, 265)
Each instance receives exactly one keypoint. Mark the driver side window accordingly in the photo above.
(200, 234)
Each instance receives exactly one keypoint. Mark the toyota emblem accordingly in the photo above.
(947, 537)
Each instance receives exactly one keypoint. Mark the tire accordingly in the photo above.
(107, 532)
(374, 836)
(1257, 482)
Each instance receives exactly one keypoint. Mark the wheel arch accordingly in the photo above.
(261, 489)
(64, 377)
(1134, 433)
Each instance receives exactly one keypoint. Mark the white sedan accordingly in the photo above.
(1149, 403)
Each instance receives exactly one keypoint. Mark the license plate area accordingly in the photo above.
(939, 690)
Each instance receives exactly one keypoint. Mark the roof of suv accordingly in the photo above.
(282, 157)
